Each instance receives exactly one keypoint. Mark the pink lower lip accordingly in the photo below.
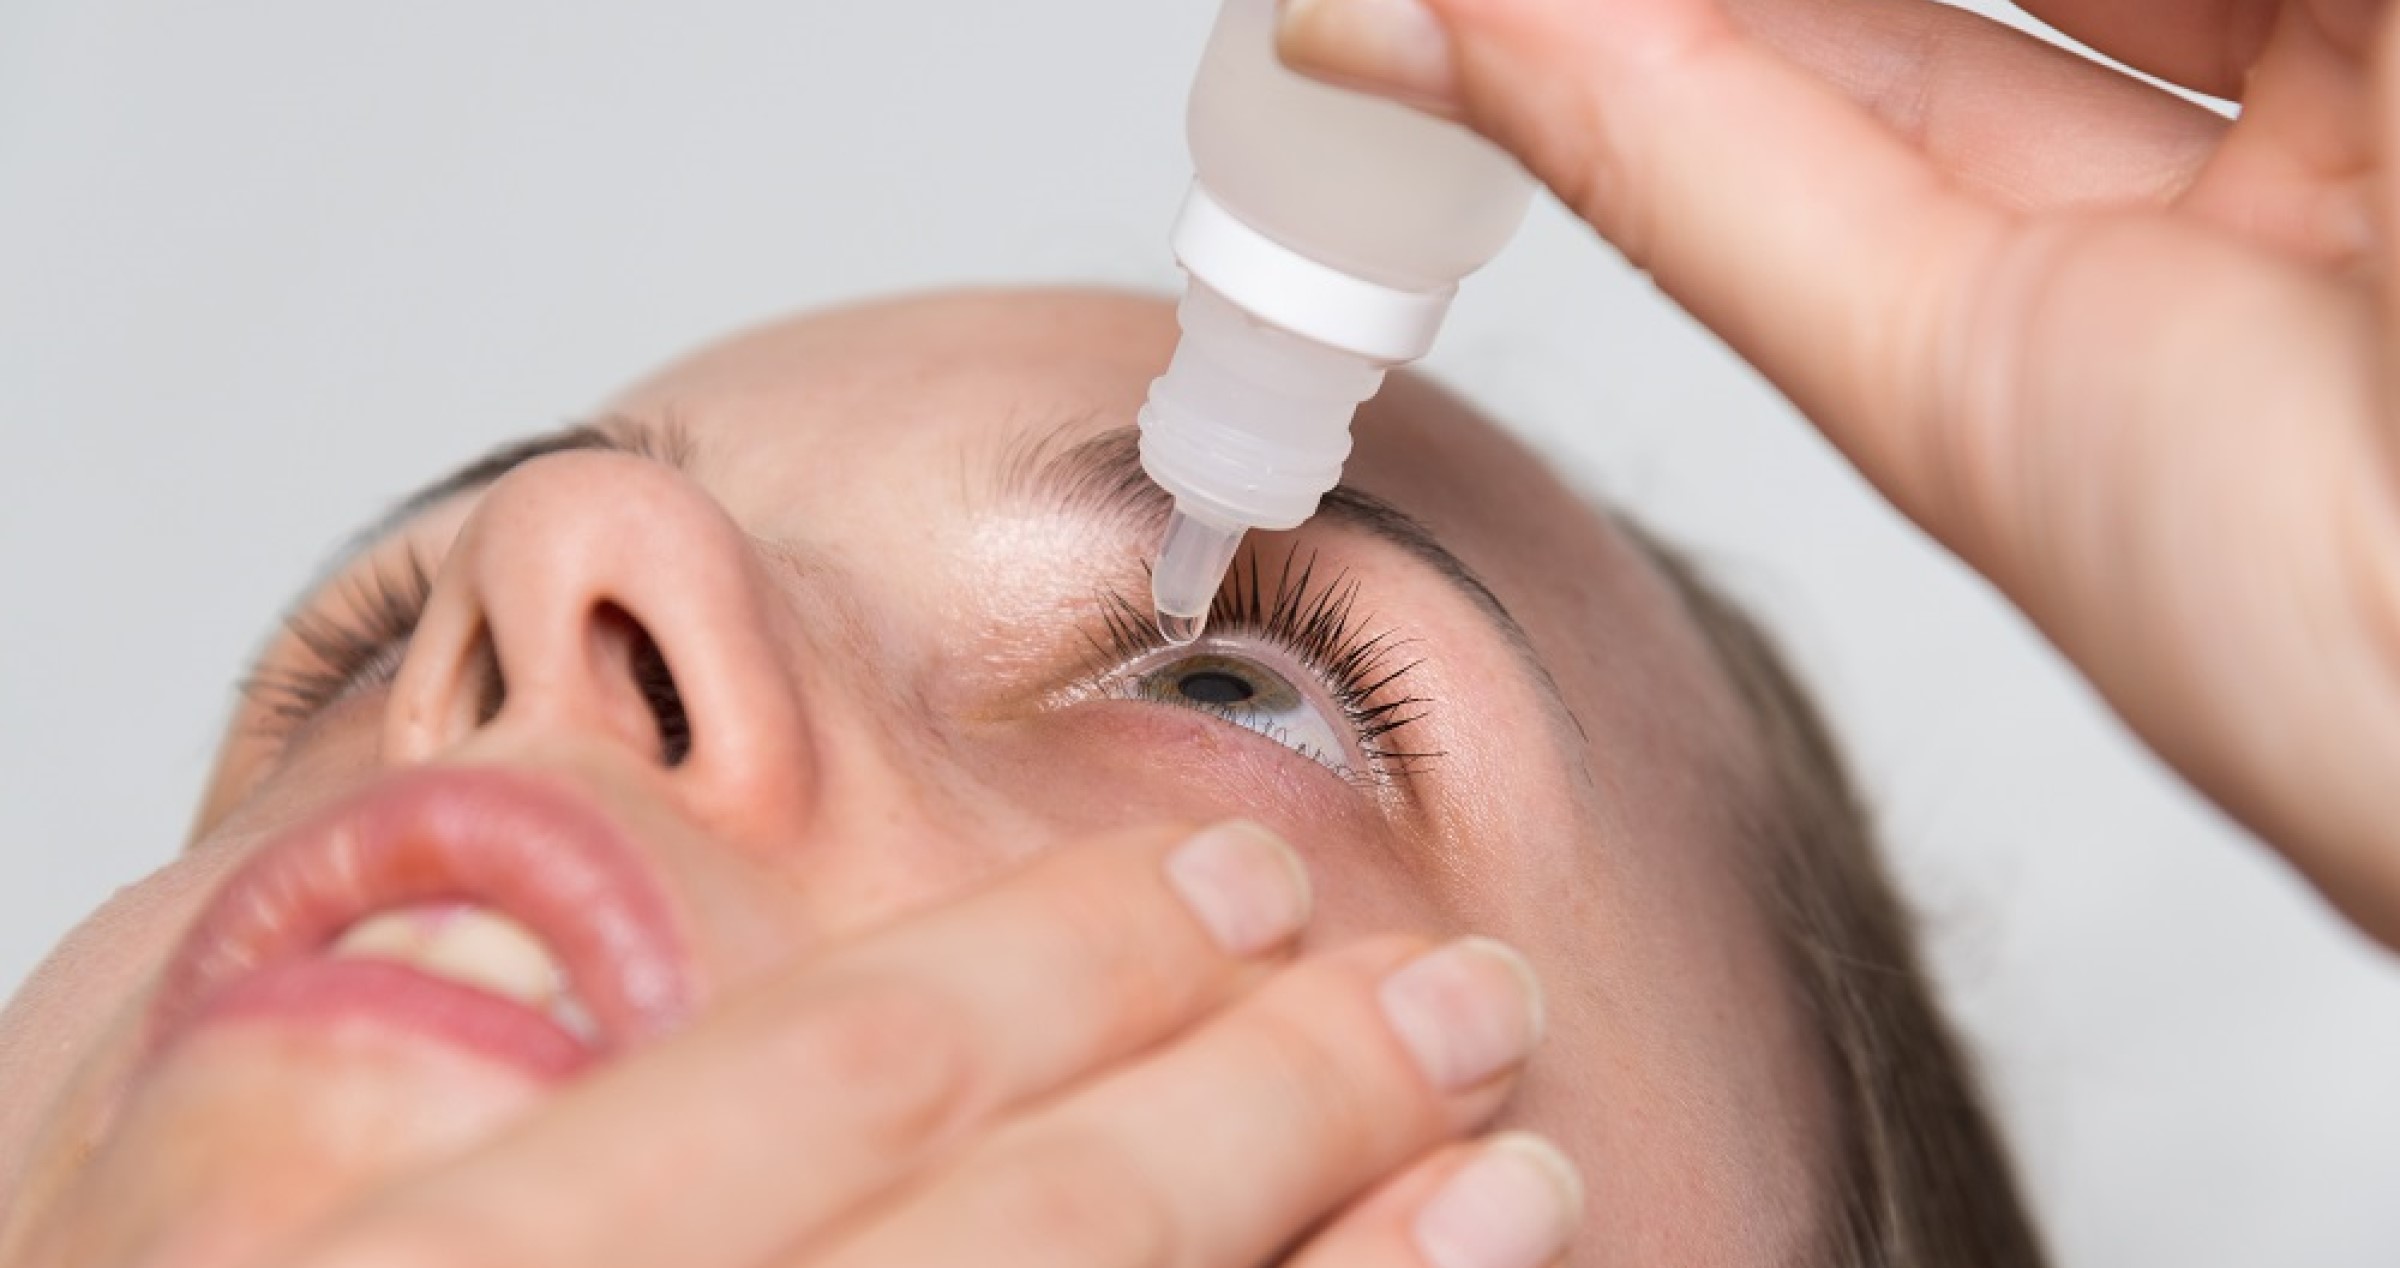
(322, 991)
(522, 845)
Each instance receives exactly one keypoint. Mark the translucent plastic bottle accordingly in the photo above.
(1325, 234)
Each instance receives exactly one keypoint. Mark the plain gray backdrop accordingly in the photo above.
(265, 266)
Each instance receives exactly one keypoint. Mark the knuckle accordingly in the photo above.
(1321, 1086)
(1111, 925)
(1094, 906)
(1961, 353)
(1076, 1197)
(1110, 889)
(900, 1055)
(1323, 1051)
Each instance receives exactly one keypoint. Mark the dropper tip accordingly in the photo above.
(1181, 630)
(1191, 565)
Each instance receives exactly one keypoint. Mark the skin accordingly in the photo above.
(893, 769)
(2130, 360)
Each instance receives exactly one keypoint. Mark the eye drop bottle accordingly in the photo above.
(1324, 236)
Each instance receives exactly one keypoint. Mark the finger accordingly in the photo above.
(2205, 45)
(802, 1100)
(1820, 246)
(1508, 1201)
(2009, 116)
(2297, 173)
(1225, 1146)
(2028, 123)
(2036, 127)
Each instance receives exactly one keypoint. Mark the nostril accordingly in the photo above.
(491, 687)
(666, 703)
(656, 682)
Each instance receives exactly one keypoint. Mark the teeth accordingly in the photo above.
(394, 935)
(474, 947)
(574, 1018)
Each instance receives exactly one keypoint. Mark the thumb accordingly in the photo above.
(1822, 247)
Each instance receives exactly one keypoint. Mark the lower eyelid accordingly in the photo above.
(1282, 752)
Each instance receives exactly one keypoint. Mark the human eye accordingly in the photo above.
(344, 641)
(1216, 677)
(1287, 657)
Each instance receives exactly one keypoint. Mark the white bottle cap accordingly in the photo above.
(1286, 289)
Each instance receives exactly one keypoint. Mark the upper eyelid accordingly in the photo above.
(1310, 612)
(1099, 478)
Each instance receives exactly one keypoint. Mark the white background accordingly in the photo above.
(265, 266)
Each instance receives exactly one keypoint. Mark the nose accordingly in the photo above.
(602, 599)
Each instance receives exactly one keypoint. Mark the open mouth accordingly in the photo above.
(476, 948)
(490, 910)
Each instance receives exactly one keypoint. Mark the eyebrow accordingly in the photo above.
(1102, 477)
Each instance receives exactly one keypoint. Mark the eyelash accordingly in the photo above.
(1318, 623)
(357, 645)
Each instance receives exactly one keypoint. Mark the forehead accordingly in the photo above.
(958, 373)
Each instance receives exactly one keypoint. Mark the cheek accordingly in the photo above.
(72, 1030)
(1172, 762)
(1115, 763)
(1108, 765)
(260, 780)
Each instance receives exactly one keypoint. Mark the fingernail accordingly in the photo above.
(1247, 887)
(1467, 1011)
(1393, 48)
(1514, 1206)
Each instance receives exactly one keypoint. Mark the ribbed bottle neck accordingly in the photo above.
(1250, 424)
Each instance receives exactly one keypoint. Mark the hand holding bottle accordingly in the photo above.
(2131, 360)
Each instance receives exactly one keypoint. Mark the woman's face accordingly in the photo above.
(892, 561)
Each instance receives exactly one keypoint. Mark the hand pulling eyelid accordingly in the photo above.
(1323, 238)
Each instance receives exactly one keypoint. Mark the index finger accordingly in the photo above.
(2204, 45)
(779, 1114)
(1826, 250)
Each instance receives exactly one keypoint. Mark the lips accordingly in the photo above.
(486, 909)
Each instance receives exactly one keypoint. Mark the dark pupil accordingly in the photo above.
(1214, 686)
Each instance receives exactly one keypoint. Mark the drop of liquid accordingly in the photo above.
(1181, 630)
